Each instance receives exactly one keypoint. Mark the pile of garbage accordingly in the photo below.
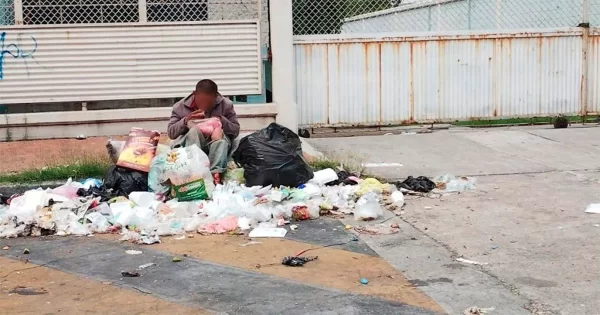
(146, 195)
(143, 216)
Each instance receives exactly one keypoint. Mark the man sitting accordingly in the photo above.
(208, 120)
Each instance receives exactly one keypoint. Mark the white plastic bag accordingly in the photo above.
(398, 199)
(188, 170)
(367, 207)
(323, 177)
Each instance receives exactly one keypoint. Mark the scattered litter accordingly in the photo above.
(293, 227)
(5, 248)
(268, 232)
(348, 226)
(250, 243)
(149, 239)
(451, 183)
(295, 261)
(398, 199)
(107, 283)
(593, 208)
(323, 177)
(181, 237)
(144, 266)
(395, 226)
(472, 262)
(380, 229)
(26, 251)
(81, 137)
(130, 274)
(222, 226)
(477, 311)
(419, 184)
(364, 281)
(133, 252)
(368, 208)
(176, 259)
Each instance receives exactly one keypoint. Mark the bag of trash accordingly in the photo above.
(188, 170)
(157, 182)
(273, 156)
(367, 207)
(139, 150)
(124, 181)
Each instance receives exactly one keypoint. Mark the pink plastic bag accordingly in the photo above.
(207, 126)
(224, 225)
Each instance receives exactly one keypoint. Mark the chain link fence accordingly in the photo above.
(375, 16)
(7, 12)
(53, 12)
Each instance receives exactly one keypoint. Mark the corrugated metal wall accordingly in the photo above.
(594, 72)
(87, 63)
(380, 80)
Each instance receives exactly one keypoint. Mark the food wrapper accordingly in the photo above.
(139, 149)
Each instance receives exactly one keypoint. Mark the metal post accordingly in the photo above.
(469, 13)
(18, 12)
(585, 26)
(143, 11)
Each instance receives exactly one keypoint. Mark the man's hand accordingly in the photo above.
(199, 114)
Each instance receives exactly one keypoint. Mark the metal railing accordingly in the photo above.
(376, 16)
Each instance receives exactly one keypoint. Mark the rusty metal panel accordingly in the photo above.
(386, 79)
(135, 61)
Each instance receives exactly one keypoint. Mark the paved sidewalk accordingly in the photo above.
(525, 221)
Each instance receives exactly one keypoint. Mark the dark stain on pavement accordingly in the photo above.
(424, 283)
(27, 291)
(453, 266)
(534, 282)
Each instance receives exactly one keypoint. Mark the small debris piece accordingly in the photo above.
(185, 255)
(293, 227)
(395, 226)
(477, 311)
(144, 266)
(250, 243)
(5, 248)
(107, 283)
(472, 262)
(295, 261)
(176, 259)
(27, 291)
(348, 226)
(364, 281)
(26, 251)
(130, 274)
(133, 252)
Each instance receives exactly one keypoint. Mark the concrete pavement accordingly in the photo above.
(525, 221)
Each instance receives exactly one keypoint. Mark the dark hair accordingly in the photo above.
(207, 86)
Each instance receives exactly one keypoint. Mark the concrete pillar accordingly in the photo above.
(282, 49)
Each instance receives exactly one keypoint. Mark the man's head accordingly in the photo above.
(205, 94)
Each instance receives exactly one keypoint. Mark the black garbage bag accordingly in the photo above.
(123, 181)
(343, 179)
(273, 156)
(420, 184)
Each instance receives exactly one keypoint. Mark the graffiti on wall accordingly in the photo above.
(14, 50)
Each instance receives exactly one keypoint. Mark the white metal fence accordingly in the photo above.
(379, 80)
(94, 50)
(376, 16)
